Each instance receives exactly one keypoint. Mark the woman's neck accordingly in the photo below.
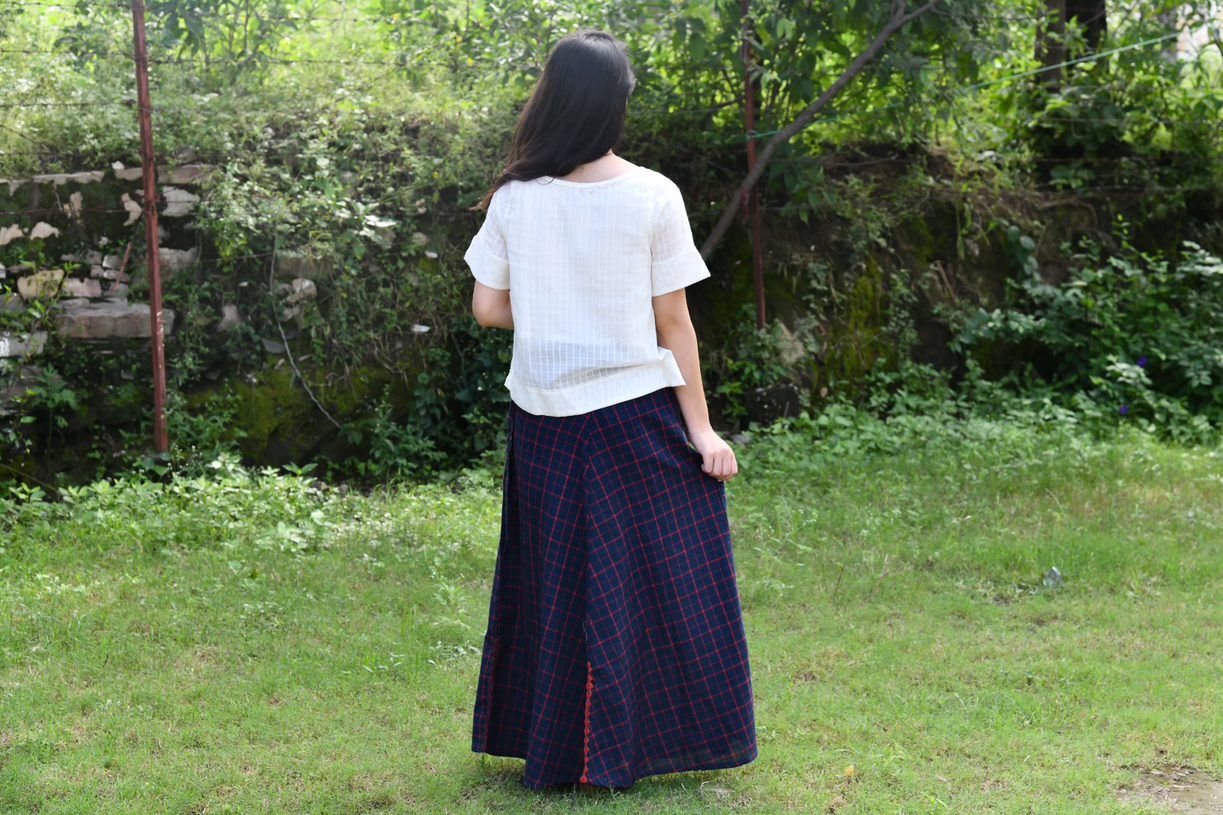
(607, 166)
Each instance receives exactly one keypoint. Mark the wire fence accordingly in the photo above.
(230, 100)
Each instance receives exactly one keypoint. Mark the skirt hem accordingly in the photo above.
(661, 769)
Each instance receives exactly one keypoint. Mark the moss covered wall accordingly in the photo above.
(844, 270)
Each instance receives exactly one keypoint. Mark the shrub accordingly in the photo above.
(1134, 335)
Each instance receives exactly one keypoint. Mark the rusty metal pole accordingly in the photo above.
(751, 208)
(161, 439)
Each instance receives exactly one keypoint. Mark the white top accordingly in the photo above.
(582, 261)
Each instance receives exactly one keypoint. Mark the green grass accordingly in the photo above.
(250, 644)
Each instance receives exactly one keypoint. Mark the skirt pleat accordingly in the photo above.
(615, 646)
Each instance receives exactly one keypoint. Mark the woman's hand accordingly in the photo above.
(718, 460)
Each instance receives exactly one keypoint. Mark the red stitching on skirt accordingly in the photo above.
(492, 663)
(590, 679)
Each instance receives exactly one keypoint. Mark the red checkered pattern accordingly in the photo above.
(615, 646)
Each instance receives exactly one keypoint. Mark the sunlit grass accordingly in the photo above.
(261, 646)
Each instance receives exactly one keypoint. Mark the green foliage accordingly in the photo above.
(328, 205)
(1135, 120)
(239, 31)
(752, 359)
(48, 399)
(1133, 334)
(201, 435)
(224, 504)
(398, 449)
(355, 143)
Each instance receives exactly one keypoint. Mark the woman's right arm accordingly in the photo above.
(491, 307)
(676, 333)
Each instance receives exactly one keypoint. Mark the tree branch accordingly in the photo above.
(898, 21)
(285, 340)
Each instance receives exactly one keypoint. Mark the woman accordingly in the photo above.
(615, 646)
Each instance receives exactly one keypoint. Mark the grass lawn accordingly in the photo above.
(250, 644)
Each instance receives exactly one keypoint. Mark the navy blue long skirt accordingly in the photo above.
(615, 646)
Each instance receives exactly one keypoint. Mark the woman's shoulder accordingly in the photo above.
(639, 172)
(664, 191)
(655, 177)
(640, 186)
(500, 195)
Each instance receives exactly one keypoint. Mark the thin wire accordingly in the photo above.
(256, 20)
(231, 61)
(836, 116)
(65, 104)
(384, 21)
(177, 109)
(1143, 163)
(36, 51)
(791, 207)
(373, 20)
(303, 60)
(17, 3)
(57, 211)
(396, 20)
(1079, 61)
(1010, 18)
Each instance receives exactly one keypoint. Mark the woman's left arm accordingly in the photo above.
(491, 307)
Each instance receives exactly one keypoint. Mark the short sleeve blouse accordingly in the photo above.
(583, 261)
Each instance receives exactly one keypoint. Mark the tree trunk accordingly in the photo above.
(1051, 44)
(1091, 17)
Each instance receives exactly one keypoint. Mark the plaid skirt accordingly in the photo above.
(615, 646)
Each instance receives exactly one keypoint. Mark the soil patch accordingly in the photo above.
(1181, 789)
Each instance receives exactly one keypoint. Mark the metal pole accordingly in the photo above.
(161, 440)
(752, 204)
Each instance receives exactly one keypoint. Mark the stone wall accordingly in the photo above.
(69, 250)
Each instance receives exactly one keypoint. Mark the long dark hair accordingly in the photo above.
(576, 112)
